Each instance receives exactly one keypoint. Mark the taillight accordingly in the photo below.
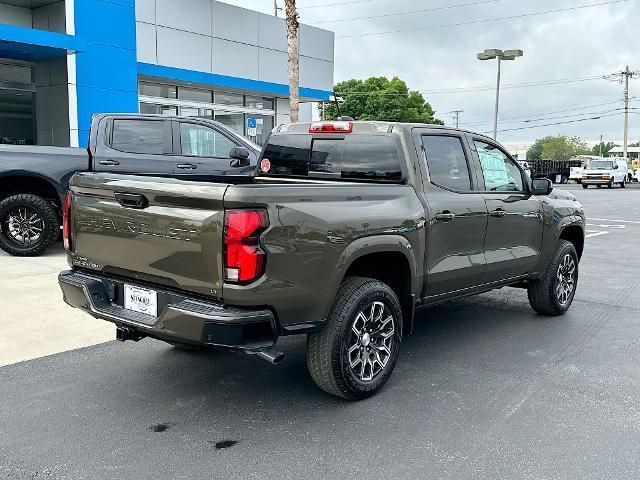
(331, 127)
(66, 217)
(244, 260)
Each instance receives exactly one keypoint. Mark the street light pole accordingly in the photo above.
(495, 115)
(490, 54)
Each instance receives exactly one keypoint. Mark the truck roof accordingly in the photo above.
(363, 127)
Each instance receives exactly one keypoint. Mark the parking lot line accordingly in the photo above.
(595, 234)
(612, 220)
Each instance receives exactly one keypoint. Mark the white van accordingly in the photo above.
(605, 171)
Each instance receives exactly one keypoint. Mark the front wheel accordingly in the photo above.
(553, 293)
(29, 225)
(585, 186)
(356, 351)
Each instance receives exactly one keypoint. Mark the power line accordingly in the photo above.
(557, 123)
(473, 22)
(433, 9)
(578, 106)
(480, 88)
(511, 85)
(541, 116)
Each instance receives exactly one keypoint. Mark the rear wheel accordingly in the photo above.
(355, 353)
(553, 293)
(29, 225)
(585, 186)
(623, 183)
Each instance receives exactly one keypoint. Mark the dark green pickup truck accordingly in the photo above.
(346, 230)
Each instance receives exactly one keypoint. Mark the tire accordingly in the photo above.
(623, 183)
(585, 186)
(545, 295)
(598, 185)
(339, 357)
(27, 211)
(610, 184)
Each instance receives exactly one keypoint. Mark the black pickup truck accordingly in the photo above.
(346, 229)
(33, 180)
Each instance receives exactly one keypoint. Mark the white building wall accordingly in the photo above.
(214, 37)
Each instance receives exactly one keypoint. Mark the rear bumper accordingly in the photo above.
(180, 318)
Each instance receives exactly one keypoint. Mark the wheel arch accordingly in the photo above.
(389, 259)
(575, 234)
(18, 181)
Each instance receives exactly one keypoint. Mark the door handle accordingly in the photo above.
(132, 200)
(109, 163)
(187, 166)
(445, 216)
(499, 212)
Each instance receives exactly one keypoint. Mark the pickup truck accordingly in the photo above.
(347, 228)
(33, 180)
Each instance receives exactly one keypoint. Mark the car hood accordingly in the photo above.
(596, 172)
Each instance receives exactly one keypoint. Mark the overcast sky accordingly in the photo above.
(570, 46)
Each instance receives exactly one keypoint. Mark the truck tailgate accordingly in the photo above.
(156, 230)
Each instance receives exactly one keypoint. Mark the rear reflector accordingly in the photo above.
(244, 260)
(66, 217)
(331, 127)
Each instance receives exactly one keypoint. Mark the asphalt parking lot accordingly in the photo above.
(484, 389)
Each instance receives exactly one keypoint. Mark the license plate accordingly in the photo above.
(141, 300)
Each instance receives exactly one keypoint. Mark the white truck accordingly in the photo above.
(605, 171)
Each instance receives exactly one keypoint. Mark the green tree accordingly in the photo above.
(605, 148)
(562, 147)
(535, 150)
(558, 147)
(378, 98)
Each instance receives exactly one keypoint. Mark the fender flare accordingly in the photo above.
(378, 244)
(27, 174)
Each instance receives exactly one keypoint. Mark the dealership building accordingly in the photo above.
(62, 61)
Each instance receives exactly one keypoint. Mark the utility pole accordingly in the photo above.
(623, 77)
(291, 13)
(600, 146)
(456, 117)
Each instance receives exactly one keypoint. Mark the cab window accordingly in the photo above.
(501, 174)
(446, 162)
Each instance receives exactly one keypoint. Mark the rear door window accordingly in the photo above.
(138, 136)
(200, 141)
(446, 162)
(357, 157)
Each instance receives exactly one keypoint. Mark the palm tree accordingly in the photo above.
(292, 46)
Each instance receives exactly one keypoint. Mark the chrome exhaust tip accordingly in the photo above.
(272, 356)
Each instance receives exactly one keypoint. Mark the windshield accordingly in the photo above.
(600, 165)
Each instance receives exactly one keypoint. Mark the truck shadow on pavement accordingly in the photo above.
(486, 330)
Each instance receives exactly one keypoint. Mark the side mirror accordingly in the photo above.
(240, 155)
(541, 186)
(615, 167)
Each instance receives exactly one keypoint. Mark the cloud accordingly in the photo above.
(588, 42)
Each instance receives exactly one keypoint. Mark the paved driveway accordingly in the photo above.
(484, 389)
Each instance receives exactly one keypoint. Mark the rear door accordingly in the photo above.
(202, 150)
(135, 145)
(514, 228)
(457, 213)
